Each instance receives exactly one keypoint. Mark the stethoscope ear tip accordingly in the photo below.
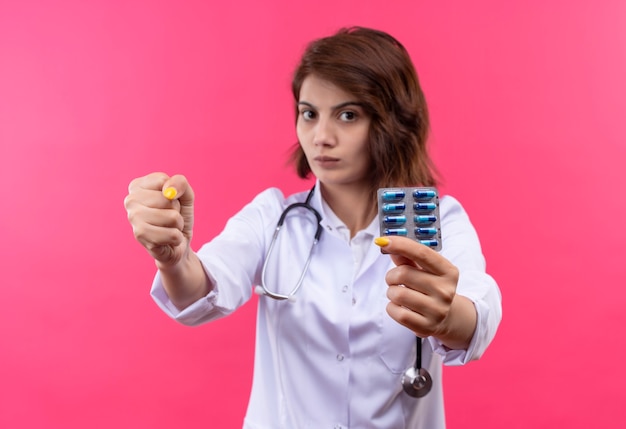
(259, 290)
(292, 298)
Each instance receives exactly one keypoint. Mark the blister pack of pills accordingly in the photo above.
(412, 213)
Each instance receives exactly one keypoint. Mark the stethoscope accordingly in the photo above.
(291, 296)
(416, 381)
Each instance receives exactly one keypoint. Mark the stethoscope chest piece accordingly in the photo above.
(417, 382)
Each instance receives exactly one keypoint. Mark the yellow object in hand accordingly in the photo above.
(381, 241)
(170, 193)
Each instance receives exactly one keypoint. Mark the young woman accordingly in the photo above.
(334, 354)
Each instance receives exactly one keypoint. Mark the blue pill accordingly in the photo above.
(424, 207)
(430, 243)
(394, 220)
(396, 231)
(394, 208)
(425, 219)
(393, 195)
(426, 231)
(424, 194)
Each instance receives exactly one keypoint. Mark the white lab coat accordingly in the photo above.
(333, 358)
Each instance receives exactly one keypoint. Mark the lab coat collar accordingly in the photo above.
(330, 221)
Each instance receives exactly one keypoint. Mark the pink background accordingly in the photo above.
(528, 107)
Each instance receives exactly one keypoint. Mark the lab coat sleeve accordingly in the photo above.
(232, 260)
(462, 247)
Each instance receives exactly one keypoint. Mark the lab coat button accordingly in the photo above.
(339, 357)
(344, 288)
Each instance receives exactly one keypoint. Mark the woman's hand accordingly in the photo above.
(160, 210)
(422, 293)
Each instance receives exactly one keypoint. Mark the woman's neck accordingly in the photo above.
(352, 204)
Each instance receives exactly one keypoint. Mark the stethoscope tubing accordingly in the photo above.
(262, 289)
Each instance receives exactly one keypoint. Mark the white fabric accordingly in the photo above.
(333, 358)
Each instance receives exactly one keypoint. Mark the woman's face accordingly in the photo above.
(333, 130)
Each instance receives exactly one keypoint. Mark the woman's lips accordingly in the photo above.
(325, 161)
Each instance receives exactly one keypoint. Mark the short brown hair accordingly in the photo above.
(377, 69)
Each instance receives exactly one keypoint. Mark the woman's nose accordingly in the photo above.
(324, 133)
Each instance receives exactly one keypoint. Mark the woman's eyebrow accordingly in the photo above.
(346, 104)
(337, 107)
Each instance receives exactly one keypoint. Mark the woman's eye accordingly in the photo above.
(308, 114)
(348, 116)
